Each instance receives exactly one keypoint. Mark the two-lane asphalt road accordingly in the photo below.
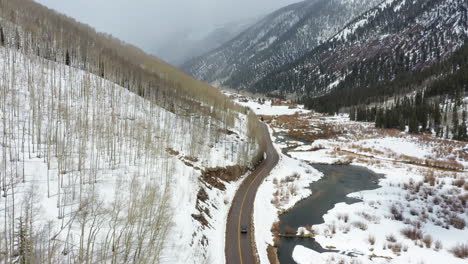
(239, 248)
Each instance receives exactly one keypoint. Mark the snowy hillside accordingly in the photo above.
(91, 172)
(277, 40)
(382, 45)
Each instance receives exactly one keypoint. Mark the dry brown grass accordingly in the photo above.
(275, 228)
(391, 238)
(361, 225)
(457, 222)
(412, 233)
(427, 240)
(460, 250)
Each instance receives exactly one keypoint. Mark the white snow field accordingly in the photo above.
(92, 173)
(411, 198)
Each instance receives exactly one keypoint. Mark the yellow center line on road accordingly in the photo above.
(240, 214)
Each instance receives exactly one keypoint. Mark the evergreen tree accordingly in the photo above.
(2, 36)
(413, 124)
(67, 58)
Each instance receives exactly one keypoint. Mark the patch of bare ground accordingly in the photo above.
(216, 177)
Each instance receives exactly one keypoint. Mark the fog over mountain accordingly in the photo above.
(156, 24)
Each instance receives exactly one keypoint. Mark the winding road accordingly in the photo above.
(239, 247)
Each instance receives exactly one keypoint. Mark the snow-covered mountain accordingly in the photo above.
(392, 39)
(276, 40)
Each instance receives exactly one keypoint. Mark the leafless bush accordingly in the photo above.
(361, 225)
(405, 248)
(275, 201)
(369, 217)
(459, 182)
(397, 214)
(457, 221)
(427, 239)
(293, 189)
(371, 239)
(391, 238)
(412, 233)
(396, 248)
(430, 178)
(332, 228)
(460, 250)
(343, 217)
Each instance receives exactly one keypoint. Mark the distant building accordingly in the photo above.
(283, 103)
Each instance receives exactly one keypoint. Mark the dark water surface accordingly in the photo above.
(338, 181)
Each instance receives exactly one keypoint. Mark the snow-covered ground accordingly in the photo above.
(414, 200)
(286, 185)
(267, 108)
(86, 163)
(381, 234)
(407, 188)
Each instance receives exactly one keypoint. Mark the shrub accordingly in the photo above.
(371, 239)
(430, 178)
(397, 215)
(332, 228)
(438, 245)
(360, 225)
(427, 239)
(412, 233)
(293, 189)
(405, 248)
(396, 248)
(391, 238)
(460, 250)
(343, 217)
(457, 222)
(459, 182)
(275, 228)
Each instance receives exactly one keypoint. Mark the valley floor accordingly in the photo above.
(418, 215)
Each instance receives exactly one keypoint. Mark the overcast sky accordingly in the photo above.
(150, 23)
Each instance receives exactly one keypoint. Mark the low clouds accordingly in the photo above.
(150, 24)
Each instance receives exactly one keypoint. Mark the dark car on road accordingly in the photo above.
(243, 229)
